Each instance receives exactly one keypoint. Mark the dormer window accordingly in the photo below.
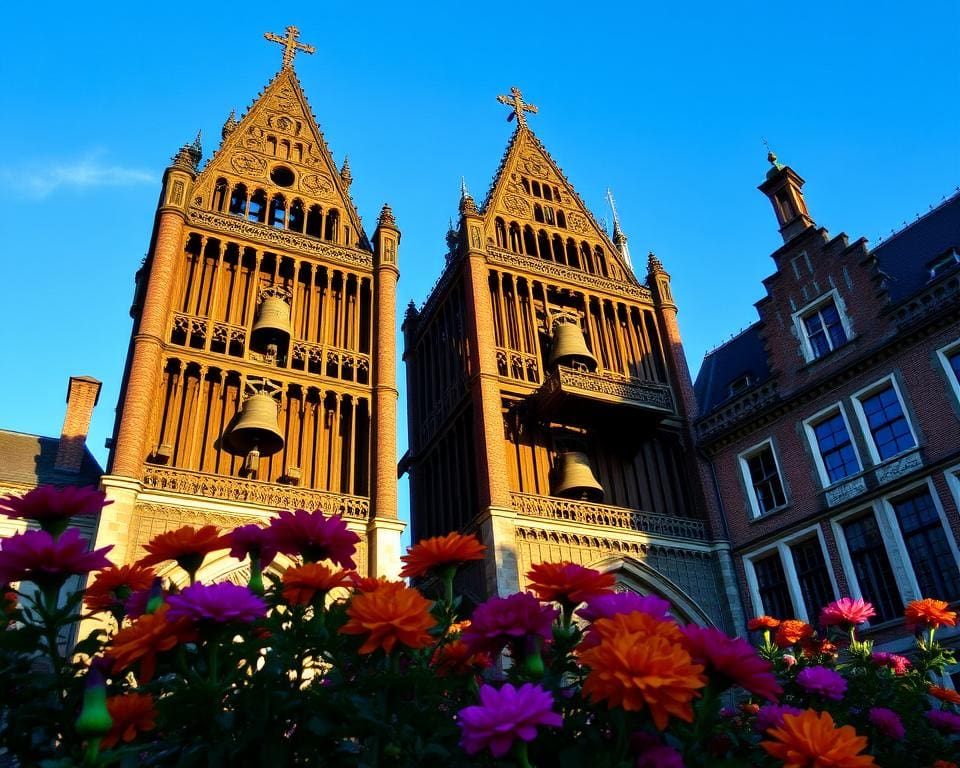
(740, 384)
(822, 326)
(943, 263)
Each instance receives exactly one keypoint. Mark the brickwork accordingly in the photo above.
(82, 396)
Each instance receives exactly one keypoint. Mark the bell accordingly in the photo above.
(575, 478)
(256, 429)
(272, 324)
(569, 348)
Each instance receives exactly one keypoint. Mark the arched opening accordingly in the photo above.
(587, 260)
(547, 194)
(529, 241)
(561, 220)
(278, 212)
(601, 260)
(536, 189)
(501, 233)
(258, 207)
(295, 222)
(333, 225)
(238, 200)
(219, 195)
(538, 212)
(558, 250)
(526, 184)
(543, 242)
(285, 149)
(272, 145)
(572, 259)
(315, 222)
(516, 241)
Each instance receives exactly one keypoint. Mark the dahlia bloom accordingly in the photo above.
(846, 612)
(47, 561)
(52, 507)
(791, 632)
(812, 739)
(653, 753)
(302, 584)
(763, 622)
(251, 541)
(887, 722)
(502, 620)
(731, 661)
(944, 694)
(930, 613)
(771, 716)
(187, 546)
(611, 603)
(568, 583)
(943, 720)
(899, 664)
(132, 713)
(369, 583)
(112, 586)
(314, 536)
(505, 715)
(440, 552)
(146, 638)
(392, 614)
(823, 681)
(223, 603)
(456, 658)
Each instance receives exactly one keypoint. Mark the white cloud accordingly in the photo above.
(39, 181)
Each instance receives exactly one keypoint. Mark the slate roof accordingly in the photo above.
(743, 354)
(29, 459)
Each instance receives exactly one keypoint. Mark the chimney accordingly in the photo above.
(82, 396)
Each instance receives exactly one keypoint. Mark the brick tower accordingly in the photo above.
(549, 400)
(261, 369)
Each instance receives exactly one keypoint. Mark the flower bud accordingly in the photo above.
(94, 720)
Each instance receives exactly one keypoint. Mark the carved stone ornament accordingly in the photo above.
(318, 184)
(247, 164)
(577, 222)
(516, 205)
(535, 166)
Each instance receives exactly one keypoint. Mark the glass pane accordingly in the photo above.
(872, 567)
(772, 586)
(814, 578)
(930, 554)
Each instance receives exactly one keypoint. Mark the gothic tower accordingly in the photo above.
(261, 369)
(549, 399)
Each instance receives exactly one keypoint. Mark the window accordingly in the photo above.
(871, 566)
(823, 329)
(950, 360)
(791, 579)
(882, 415)
(943, 263)
(927, 547)
(740, 384)
(830, 436)
(772, 586)
(812, 576)
(762, 478)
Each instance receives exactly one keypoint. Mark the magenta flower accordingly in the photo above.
(653, 753)
(846, 612)
(252, 541)
(504, 716)
(502, 620)
(899, 664)
(223, 603)
(771, 716)
(38, 557)
(610, 604)
(314, 536)
(52, 507)
(823, 681)
(943, 720)
(731, 661)
(887, 722)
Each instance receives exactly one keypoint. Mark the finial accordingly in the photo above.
(453, 237)
(290, 45)
(386, 217)
(466, 201)
(654, 265)
(188, 156)
(230, 125)
(411, 311)
(772, 157)
(617, 232)
(196, 149)
(345, 176)
(519, 107)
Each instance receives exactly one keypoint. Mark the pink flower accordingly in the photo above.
(899, 664)
(223, 603)
(612, 604)
(314, 536)
(653, 753)
(823, 681)
(731, 661)
(887, 722)
(251, 541)
(943, 720)
(37, 556)
(501, 620)
(52, 507)
(771, 716)
(789, 659)
(846, 612)
(504, 716)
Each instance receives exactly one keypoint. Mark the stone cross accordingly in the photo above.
(290, 45)
(519, 107)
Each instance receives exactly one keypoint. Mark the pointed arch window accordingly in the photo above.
(558, 255)
(501, 233)
(219, 195)
(295, 222)
(572, 258)
(278, 212)
(561, 220)
(238, 200)
(526, 184)
(333, 224)
(257, 210)
(516, 240)
(547, 194)
(315, 222)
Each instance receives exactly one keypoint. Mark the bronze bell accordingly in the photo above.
(568, 347)
(272, 325)
(257, 428)
(575, 478)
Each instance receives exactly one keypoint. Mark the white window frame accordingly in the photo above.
(952, 476)
(783, 548)
(743, 460)
(943, 354)
(814, 306)
(866, 392)
(808, 427)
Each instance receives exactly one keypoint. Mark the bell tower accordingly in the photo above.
(545, 407)
(260, 374)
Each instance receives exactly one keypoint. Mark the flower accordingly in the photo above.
(301, 584)
(791, 632)
(392, 614)
(811, 739)
(846, 612)
(456, 658)
(132, 713)
(812, 646)
(653, 753)
(439, 552)
(37, 556)
(929, 613)
(369, 583)
(887, 722)
(187, 546)
(502, 620)
(504, 715)
(251, 541)
(639, 664)
(789, 659)
(568, 583)
(732, 660)
(943, 764)
(771, 716)
(609, 604)
(223, 603)
(899, 664)
(763, 622)
(52, 507)
(112, 586)
(823, 681)
(944, 694)
(314, 536)
(943, 720)
(147, 600)
(142, 641)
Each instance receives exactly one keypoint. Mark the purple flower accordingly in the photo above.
(504, 716)
(52, 507)
(731, 661)
(653, 753)
(314, 536)
(771, 716)
(887, 722)
(943, 720)
(823, 681)
(38, 557)
(502, 620)
(216, 603)
(252, 541)
(605, 606)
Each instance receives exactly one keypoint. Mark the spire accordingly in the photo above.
(654, 265)
(188, 156)
(619, 239)
(516, 101)
(230, 125)
(386, 217)
(466, 201)
(345, 176)
(453, 237)
(196, 149)
(290, 45)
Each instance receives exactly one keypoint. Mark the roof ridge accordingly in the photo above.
(896, 233)
(732, 339)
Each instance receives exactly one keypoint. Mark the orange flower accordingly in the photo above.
(944, 694)
(111, 586)
(763, 622)
(814, 647)
(131, 713)
(811, 739)
(148, 636)
(930, 613)
(639, 663)
(568, 583)
(392, 614)
(452, 549)
(187, 545)
(369, 583)
(455, 658)
(943, 764)
(791, 632)
(302, 583)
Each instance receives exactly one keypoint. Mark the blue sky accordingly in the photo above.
(666, 106)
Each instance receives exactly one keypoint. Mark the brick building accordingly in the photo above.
(832, 422)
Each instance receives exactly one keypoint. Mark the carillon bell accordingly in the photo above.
(257, 428)
(272, 325)
(568, 347)
(575, 478)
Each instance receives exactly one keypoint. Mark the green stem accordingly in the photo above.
(214, 660)
(91, 755)
(520, 754)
